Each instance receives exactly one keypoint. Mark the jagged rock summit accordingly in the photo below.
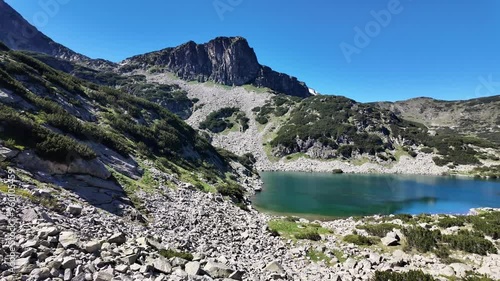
(225, 60)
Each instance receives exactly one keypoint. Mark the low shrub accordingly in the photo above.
(443, 253)
(243, 120)
(243, 206)
(421, 239)
(173, 254)
(216, 121)
(292, 219)
(345, 151)
(231, 190)
(379, 230)
(470, 244)
(466, 232)
(290, 228)
(440, 161)
(404, 217)
(424, 218)
(312, 235)
(280, 111)
(427, 150)
(477, 278)
(248, 160)
(412, 275)
(262, 120)
(487, 223)
(44, 142)
(360, 240)
(450, 222)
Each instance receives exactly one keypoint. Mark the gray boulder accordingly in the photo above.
(40, 273)
(7, 153)
(161, 264)
(92, 246)
(275, 267)
(237, 275)
(75, 210)
(68, 238)
(460, 269)
(104, 275)
(118, 238)
(391, 239)
(178, 262)
(388, 241)
(217, 270)
(68, 274)
(68, 263)
(193, 268)
(4, 219)
(21, 262)
(29, 215)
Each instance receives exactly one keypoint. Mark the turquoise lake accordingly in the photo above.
(321, 195)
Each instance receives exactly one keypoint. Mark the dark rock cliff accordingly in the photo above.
(224, 60)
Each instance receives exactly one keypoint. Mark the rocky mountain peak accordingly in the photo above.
(225, 60)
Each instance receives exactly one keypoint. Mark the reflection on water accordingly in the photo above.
(347, 195)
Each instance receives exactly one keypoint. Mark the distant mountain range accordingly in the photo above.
(479, 116)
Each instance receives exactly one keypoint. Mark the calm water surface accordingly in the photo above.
(327, 195)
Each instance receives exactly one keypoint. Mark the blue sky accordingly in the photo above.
(437, 48)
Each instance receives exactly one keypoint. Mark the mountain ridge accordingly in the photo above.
(224, 60)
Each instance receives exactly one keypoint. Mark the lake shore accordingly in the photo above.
(420, 165)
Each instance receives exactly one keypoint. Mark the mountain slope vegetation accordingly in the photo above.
(336, 127)
(64, 119)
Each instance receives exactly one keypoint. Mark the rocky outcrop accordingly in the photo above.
(30, 161)
(281, 83)
(225, 60)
